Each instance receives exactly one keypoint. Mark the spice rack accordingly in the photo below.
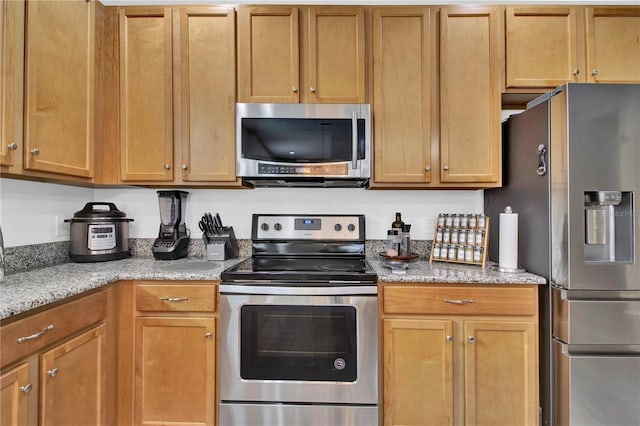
(464, 235)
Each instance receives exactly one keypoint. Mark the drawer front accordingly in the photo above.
(176, 298)
(35, 332)
(459, 300)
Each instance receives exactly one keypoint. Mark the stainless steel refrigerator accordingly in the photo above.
(572, 173)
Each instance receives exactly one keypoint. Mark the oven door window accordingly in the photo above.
(282, 342)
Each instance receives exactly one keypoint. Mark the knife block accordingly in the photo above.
(222, 246)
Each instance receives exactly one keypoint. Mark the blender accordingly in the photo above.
(173, 237)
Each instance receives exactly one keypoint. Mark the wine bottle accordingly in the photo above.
(398, 223)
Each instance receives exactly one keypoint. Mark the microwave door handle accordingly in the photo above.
(354, 140)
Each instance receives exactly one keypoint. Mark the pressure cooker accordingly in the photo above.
(99, 234)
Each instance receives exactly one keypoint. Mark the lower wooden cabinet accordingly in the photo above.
(466, 366)
(19, 395)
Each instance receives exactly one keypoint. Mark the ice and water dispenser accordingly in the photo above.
(608, 226)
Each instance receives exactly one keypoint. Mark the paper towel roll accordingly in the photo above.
(508, 239)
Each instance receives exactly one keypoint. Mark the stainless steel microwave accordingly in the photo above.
(326, 145)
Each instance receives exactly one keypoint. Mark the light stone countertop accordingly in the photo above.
(24, 291)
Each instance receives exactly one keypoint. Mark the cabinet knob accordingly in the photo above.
(594, 72)
(26, 388)
(12, 146)
(167, 166)
(312, 89)
(449, 338)
(428, 168)
(576, 71)
(208, 335)
(35, 151)
(472, 339)
(53, 372)
(294, 89)
(184, 167)
(446, 167)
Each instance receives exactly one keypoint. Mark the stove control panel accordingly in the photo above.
(308, 227)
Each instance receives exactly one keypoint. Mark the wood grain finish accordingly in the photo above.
(59, 95)
(499, 300)
(470, 128)
(613, 45)
(66, 319)
(73, 380)
(175, 298)
(14, 401)
(402, 96)
(146, 98)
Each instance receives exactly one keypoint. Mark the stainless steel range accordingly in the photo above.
(298, 326)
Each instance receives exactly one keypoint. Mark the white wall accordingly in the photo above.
(29, 209)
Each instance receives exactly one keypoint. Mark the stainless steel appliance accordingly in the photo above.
(572, 173)
(98, 234)
(299, 326)
(325, 145)
(173, 237)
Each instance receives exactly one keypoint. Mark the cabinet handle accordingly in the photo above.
(294, 89)
(594, 72)
(35, 151)
(53, 372)
(36, 335)
(174, 299)
(184, 167)
(449, 338)
(312, 89)
(576, 71)
(26, 388)
(459, 301)
(428, 168)
(446, 167)
(472, 339)
(12, 146)
(167, 166)
(208, 335)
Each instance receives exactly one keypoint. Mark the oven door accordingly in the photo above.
(304, 348)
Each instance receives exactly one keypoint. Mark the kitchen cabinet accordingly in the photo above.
(59, 87)
(459, 354)
(470, 130)
(328, 66)
(177, 95)
(169, 342)
(547, 46)
(403, 78)
(56, 365)
(11, 84)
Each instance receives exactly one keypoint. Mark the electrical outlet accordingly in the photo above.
(61, 228)
(431, 225)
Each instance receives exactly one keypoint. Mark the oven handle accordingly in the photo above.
(297, 291)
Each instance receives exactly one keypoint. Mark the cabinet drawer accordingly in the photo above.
(33, 333)
(176, 298)
(459, 300)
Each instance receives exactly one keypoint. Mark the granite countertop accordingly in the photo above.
(24, 291)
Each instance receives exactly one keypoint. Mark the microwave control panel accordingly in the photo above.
(340, 169)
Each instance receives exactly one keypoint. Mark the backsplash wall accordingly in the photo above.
(33, 212)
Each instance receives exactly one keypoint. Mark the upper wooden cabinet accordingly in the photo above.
(177, 95)
(547, 46)
(613, 45)
(470, 131)
(11, 83)
(59, 92)
(403, 61)
(332, 69)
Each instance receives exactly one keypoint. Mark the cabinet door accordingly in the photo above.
(18, 391)
(613, 50)
(175, 371)
(402, 95)
(542, 47)
(72, 381)
(146, 110)
(501, 375)
(469, 96)
(59, 87)
(268, 45)
(336, 55)
(207, 94)
(418, 372)
(11, 81)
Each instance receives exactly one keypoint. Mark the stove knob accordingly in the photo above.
(351, 227)
(277, 227)
(338, 227)
(264, 226)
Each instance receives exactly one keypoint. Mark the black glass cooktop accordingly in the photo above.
(301, 269)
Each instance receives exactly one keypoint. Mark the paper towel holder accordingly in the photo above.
(502, 269)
